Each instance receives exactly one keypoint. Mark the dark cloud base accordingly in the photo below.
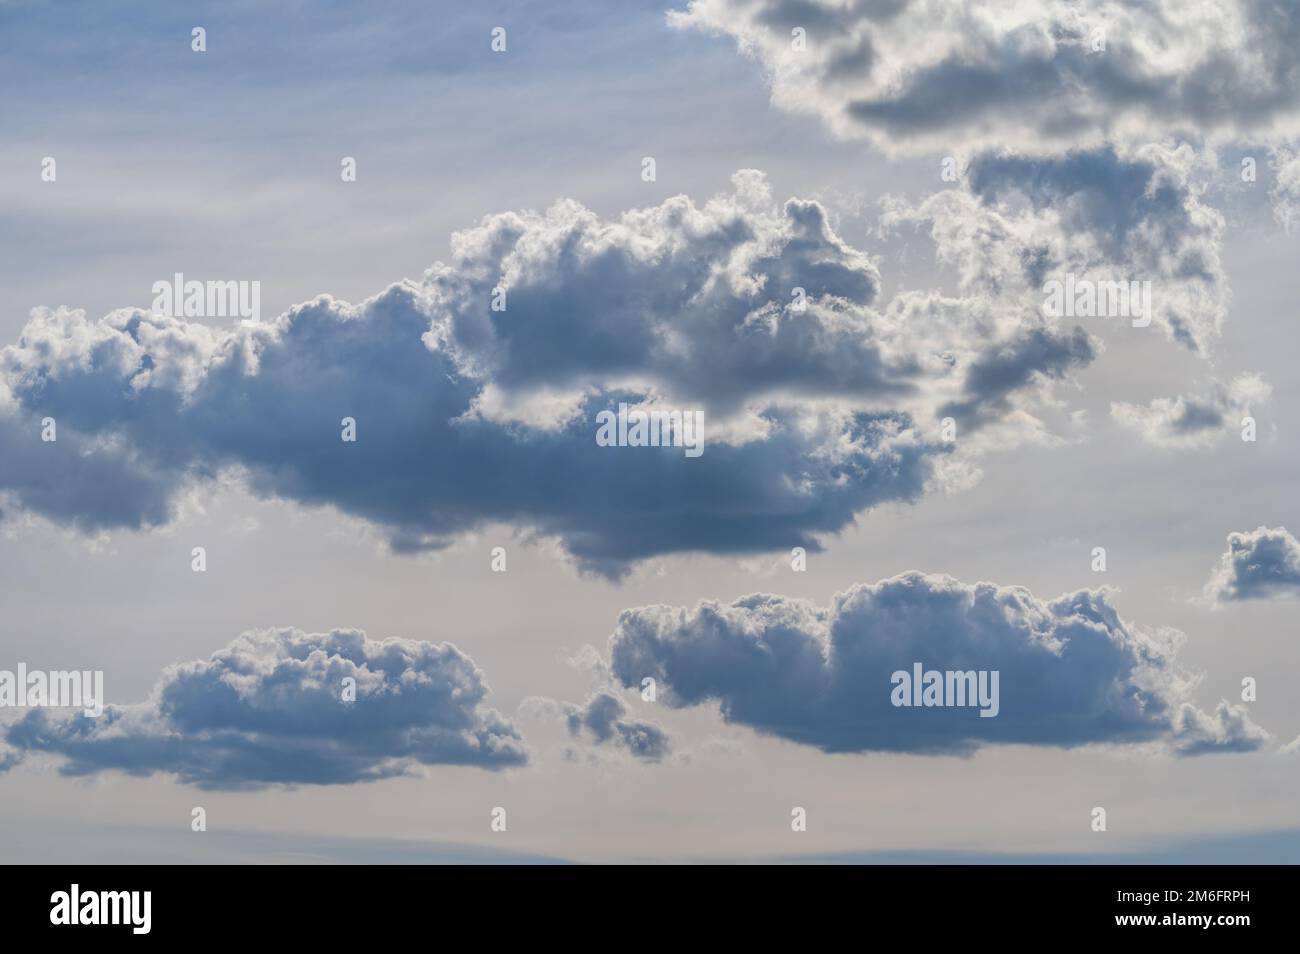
(270, 709)
(1071, 671)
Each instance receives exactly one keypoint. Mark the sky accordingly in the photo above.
(838, 257)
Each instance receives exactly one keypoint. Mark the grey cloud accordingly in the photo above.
(1106, 194)
(1071, 671)
(269, 709)
(699, 301)
(1259, 564)
(603, 719)
(467, 416)
(1018, 221)
(1193, 420)
(1005, 369)
(423, 466)
(929, 75)
(1227, 729)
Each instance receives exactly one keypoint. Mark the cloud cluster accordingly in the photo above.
(818, 403)
(1259, 564)
(1194, 421)
(930, 75)
(696, 302)
(1071, 671)
(273, 708)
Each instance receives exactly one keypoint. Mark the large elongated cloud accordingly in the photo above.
(818, 403)
(938, 75)
(271, 709)
(1259, 564)
(1071, 671)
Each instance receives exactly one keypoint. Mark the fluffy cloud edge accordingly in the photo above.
(1259, 564)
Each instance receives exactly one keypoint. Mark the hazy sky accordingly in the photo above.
(920, 169)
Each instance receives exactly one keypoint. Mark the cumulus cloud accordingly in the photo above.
(1227, 729)
(1016, 223)
(1194, 421)
(930, 75)
(1071, 671)
(1259, 564)
(270, 709)
(819, 402)
(698, 302)
(1105, 116)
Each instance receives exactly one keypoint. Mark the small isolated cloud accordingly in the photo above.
(1227, 729)
(1263, 563)
(915, 76)
(602, 719)
(1194, 421)
(1071, 672)
(270, 709)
